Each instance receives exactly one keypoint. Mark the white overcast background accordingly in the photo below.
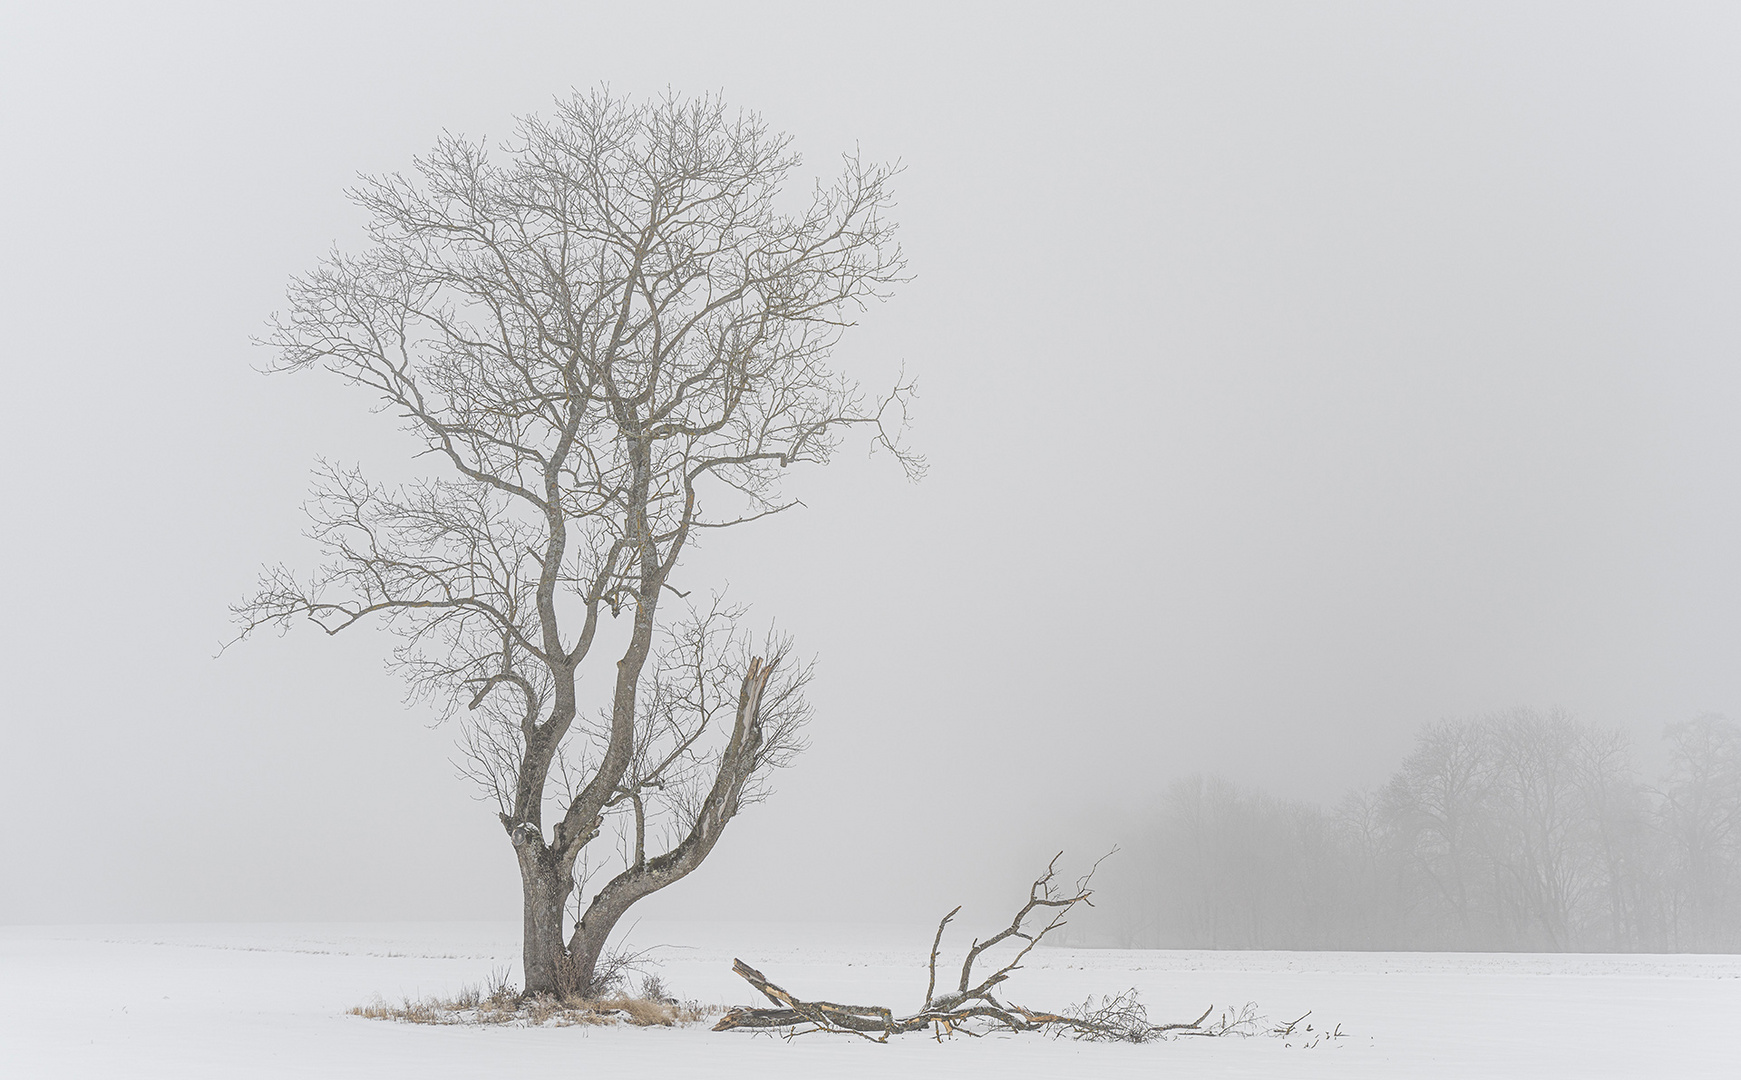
(1291, 376)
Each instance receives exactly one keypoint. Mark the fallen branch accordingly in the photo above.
(972, 1008)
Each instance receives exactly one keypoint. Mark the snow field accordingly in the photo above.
(195, 1001)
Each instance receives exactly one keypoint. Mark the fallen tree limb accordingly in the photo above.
(972, 1008)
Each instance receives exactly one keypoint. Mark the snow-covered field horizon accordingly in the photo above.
(270, 999)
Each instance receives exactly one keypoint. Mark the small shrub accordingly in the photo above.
(610, 976)
(653, 989)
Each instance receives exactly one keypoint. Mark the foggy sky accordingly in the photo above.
(1290, 376)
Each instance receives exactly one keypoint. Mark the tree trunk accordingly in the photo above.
(590, 936)
(544, 890)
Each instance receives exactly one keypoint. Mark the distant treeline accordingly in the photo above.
(1521, 831)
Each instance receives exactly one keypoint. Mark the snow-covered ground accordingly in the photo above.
(237, 1001)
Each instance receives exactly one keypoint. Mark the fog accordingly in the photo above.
(1291, 378)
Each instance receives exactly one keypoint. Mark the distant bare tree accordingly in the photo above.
(1545, 828)
(1700, 814)
(1510, 827)
(1438, 801)
(1373, 905)
(608, 340)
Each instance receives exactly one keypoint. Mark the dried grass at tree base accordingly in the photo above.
(542, 1011)
(502, 1003)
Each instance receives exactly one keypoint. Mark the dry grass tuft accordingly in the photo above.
(641, 1012)
(375, 1010)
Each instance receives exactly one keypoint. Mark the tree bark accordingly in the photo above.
(545, 886)
(590, 935)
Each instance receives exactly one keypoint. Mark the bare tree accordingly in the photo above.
(609, 335)
(1614, 806)
(1439, 800)
(1545, 835)
(1700, 814)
